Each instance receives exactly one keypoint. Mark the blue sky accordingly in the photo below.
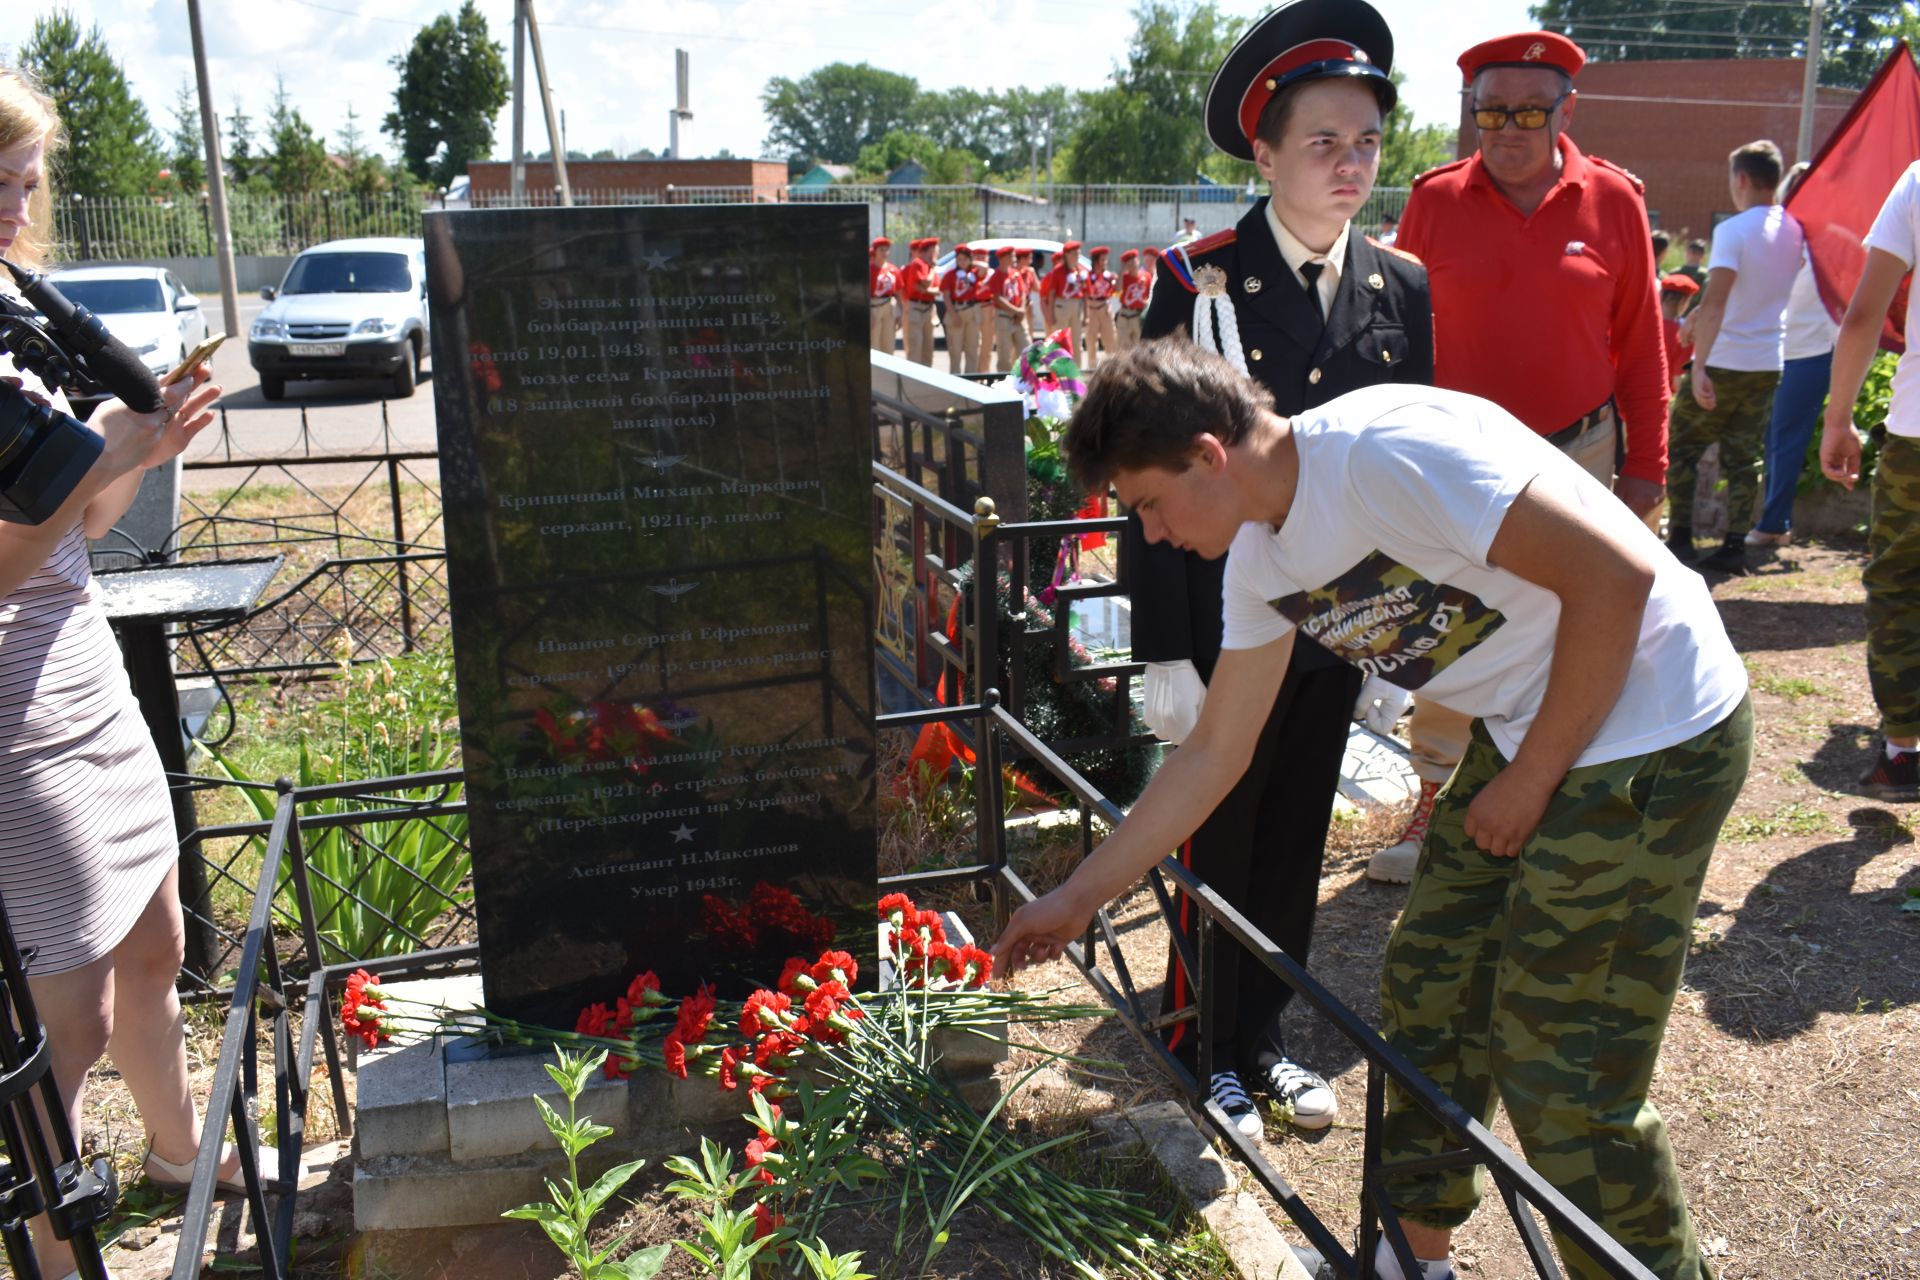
(612, 60)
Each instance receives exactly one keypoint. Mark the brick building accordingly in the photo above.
(1673, 123)
(593, 180)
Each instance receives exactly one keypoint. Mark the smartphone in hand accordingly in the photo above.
(195, 358)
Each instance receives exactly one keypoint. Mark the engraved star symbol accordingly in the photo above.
(682, 833)
(656, 261)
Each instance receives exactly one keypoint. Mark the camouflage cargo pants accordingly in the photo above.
(1892, 579)
(1738, 424)
(1544, 982)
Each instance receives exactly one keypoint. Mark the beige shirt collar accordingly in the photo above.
(1296, 253)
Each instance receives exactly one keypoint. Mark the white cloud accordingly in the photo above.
(611, 61)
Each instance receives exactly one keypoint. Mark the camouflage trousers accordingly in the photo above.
(1892, 579)
(1544, 982)
(1738, 425)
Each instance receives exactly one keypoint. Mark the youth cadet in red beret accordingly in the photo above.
(918, 290)
(883, 288)
(1102, 284)
(1063, 297)
(1136, 287)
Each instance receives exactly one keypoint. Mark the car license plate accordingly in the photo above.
(316, 348)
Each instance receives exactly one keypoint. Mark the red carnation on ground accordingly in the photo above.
(367, 1028)
(729, 1061)
(900, 905)
(766, 1221)
(789, 983)
(976, 965)
(673, 1053)
(764, 1011)
(696, 1012)
(774, 1045)
(596, 1020)
(757, 1152)
(644, 990)
(364, 988)
(835, 965)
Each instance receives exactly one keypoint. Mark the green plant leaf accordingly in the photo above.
(643, 1265)
(610, 1181)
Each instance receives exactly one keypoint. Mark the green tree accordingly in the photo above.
(1147, 126)
(878, 159)
(242, 163)
(831, 113)
(1408, 150)
(366, 172)
(186, 145)
(1854, 33)
(111, 146)
(298, 163)
(453, 81)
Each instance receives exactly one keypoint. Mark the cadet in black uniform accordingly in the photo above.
(1314, 309)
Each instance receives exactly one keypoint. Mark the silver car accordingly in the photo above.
(346, 309)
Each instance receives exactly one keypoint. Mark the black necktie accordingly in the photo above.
(1310, 271)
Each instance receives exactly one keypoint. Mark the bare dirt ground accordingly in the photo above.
(1788, 1080)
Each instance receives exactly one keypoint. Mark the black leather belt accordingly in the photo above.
(1567, 435)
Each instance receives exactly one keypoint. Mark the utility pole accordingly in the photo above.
(1810, 86)
(555, 142)
(519, 170)
(680, 111)
(216, 178)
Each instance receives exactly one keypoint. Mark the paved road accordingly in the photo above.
(340, 417)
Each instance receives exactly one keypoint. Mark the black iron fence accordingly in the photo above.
(365, 572)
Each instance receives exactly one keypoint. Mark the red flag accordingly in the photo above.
(1842, 192)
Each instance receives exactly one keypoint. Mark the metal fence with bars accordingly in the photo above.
(101, 229)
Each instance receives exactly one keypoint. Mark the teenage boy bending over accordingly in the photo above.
(1429, 537)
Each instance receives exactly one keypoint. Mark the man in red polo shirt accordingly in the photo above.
(918, 290)
(1540, 261)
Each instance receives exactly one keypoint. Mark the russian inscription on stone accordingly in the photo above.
(655, 466)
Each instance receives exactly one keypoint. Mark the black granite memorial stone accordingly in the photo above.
(655, 449)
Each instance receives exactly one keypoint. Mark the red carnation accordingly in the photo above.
(766, 1221)
(674, 1054)
(764, 1011)
(897, 905)
(368, 1029)
(644, 991)
(790, 976)
(696, 1011)
(364, 988)
(595, 1020)
(775, 1044)
(976, 965)
(834, 965)
(729, 1060)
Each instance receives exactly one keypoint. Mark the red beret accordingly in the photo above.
(1097, 250)
(1131, 253)
(1071, 244)
(1023, 253)
(1686, 286)
(1151, 252)
(1524, 49)
(880, 242)
(961, 248)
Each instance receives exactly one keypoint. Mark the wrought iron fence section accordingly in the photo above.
(265, 224)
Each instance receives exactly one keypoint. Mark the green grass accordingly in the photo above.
(1792, 688)
(1794, 819)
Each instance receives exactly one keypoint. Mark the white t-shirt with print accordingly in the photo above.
(1763, 245)
(1897, 231)
(1383, 560)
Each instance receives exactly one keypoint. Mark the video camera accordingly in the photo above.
(44, 453)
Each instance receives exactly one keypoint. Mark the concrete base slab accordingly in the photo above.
(1211, 1186)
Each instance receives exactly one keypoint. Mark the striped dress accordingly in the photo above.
(86, 829)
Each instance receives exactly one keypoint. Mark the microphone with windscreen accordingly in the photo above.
(85, 348)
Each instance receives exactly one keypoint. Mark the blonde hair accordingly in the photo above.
(27, 115)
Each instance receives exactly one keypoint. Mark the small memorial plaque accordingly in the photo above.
(655, 462)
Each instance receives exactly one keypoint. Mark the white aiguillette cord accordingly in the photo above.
(1215, 326)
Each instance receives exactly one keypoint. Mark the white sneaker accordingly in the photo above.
(1761, 538)
(1309, 1100)
(1395, 863)
(1231, 1096)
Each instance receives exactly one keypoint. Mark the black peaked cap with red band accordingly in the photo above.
(1300, 41)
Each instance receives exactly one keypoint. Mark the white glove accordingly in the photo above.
(1173, 693)
(1381, 705)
